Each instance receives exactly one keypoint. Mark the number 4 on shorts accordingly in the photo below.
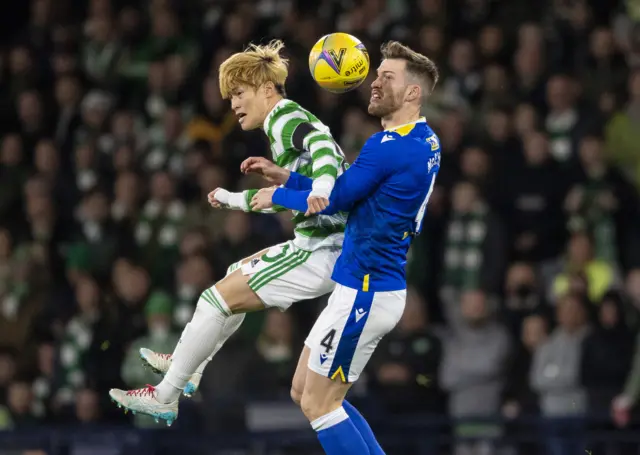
(327, 341)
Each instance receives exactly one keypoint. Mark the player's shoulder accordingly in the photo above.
(286, 107)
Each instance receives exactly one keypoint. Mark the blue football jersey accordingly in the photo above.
(385, 191)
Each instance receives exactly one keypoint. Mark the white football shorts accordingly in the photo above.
(349, 329)
(286, 274)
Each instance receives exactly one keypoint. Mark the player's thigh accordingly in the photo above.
(321, 395)
(300, 376)
(349, 329)
(235, 289)
(286, 274)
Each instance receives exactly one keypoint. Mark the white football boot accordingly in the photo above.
(160, 363)
(143, 401)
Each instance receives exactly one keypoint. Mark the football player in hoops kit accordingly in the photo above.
(278, 276)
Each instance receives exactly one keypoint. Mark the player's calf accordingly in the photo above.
(300, 376)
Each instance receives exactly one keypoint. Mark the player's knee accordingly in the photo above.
(314, 406)
(309, 407)
(296, 395)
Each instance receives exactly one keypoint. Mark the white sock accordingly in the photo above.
(199, 339)
(330, 420)
(232, 324)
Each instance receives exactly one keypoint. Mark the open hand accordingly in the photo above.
(263, 199)
(262, 166)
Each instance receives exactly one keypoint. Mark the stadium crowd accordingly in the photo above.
(525, 284)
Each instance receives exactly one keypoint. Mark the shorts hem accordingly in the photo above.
(269, 305)
(317, 370)
(326, 374)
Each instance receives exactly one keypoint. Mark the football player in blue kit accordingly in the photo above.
(385, 193)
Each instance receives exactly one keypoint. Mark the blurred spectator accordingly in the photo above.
(520, 399)
(33, 123)
(87, 407)
(18, 413)
(600, 276)
(556, 364)
(101, 50)
(531, 200)
(405, 370)
(44, 380)
(622, 133)
(91, 347)
(158, 227)
(273, 359)
(606, 356)
(130, 291)
(13, 174)
(68, 94)
(100, 239)
(522, 296)
(606, 66)
(565, 123)
(7, 371)
(463, 83)
(603, 202)
(475, 252)
(555, 375)
(21, 300)
(474, 370)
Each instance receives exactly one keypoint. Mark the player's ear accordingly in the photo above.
(414, 92)
(269, 89)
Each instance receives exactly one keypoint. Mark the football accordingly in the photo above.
(339, 62)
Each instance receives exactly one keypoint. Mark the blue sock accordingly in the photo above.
(364, 429)
(338, 435)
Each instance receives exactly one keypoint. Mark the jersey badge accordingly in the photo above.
(433, 141)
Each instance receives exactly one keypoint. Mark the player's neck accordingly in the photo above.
(271, 103)
(399, 118)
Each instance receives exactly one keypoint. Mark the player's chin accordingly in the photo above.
(246, 125)
(376, 109)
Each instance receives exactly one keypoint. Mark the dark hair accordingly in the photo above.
(417, 64)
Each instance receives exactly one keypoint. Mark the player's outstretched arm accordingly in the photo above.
(355, 184)
(221, 198)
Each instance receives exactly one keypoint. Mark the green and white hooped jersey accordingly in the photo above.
(303, 144)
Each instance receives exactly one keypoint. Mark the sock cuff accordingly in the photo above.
(213, 297)
(330, 420)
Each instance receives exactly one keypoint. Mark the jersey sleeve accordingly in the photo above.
(298, 182)
(358, 182)
(326, 156)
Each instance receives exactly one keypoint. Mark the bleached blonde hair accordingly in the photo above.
(257, 65)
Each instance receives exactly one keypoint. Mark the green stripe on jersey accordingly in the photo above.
(319, 231)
